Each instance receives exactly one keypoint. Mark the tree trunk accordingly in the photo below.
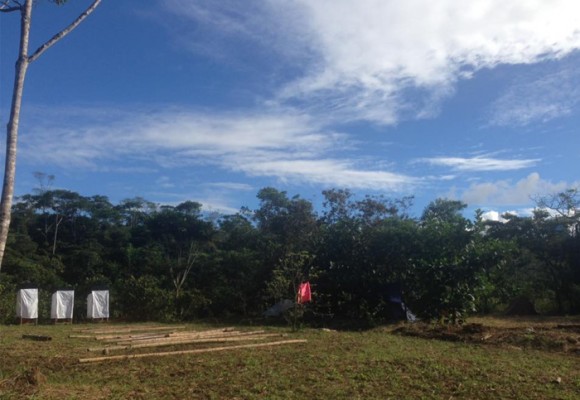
(12, 127)
(22, 63)
(56, 224)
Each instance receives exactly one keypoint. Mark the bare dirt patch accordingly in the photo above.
(562, 337)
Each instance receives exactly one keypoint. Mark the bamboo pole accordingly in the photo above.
(196, 351)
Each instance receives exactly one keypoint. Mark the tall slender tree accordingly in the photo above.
(25, 58)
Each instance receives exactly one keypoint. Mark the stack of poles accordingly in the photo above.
(128, 340)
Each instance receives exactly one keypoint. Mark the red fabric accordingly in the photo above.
(304, 294)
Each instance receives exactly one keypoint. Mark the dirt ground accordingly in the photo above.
(529, 333)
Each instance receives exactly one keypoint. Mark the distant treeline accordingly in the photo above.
(176, 263)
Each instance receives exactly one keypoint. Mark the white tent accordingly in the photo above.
(27, 304)
(98, 304)
(62, 304)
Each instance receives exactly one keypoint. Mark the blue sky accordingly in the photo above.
(176, 100)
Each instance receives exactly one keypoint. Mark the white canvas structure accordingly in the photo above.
(27, 304)
(62, 304)
(98, 304)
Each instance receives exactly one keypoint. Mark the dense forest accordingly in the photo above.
(172, 263)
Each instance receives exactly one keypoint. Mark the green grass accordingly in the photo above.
(374, 364)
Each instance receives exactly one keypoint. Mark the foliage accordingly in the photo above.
(176, 263)
(144, 299)
(7, 297)
(291, 271)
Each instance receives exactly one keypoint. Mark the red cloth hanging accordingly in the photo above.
(304, 294)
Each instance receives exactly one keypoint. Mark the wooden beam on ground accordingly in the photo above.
(229, 330)
(215, 334)
(114, 328)
(187, 335)
(116, 334)
(134, 337)
(196, 351)
(127, 339)
(129, 329)
(38, 338)
(176, 342)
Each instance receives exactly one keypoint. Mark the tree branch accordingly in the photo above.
(64, 32)
(6, 8)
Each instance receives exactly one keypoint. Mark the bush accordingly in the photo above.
(7, 301)
(143, 299)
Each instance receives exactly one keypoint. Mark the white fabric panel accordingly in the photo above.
(62, 304)
(27, 303)
(98, 304)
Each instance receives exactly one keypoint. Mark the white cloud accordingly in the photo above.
(379, 60)
(283, 145)
(372, 50)
(492, 216)
(210, 201)
(507, 193)
(480, 163)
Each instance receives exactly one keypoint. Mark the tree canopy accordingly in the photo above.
(174, 262)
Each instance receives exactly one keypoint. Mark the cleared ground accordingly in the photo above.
(487, 359)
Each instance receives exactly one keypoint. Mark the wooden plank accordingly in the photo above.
(96, 331)
(129, 329)
(210, 332)
(217, 334)
(127, 339)
(191, 335)
(116, 337)
(175, 342)
(152, 335)
(196, 351)
(133, 337)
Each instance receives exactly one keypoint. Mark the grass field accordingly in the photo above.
(524, 362)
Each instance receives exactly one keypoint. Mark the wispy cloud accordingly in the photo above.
(165, 182)
(538, 98)
(282, 145)
(235, 186)
(265, 27)
(328, 172)
(480, 163)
